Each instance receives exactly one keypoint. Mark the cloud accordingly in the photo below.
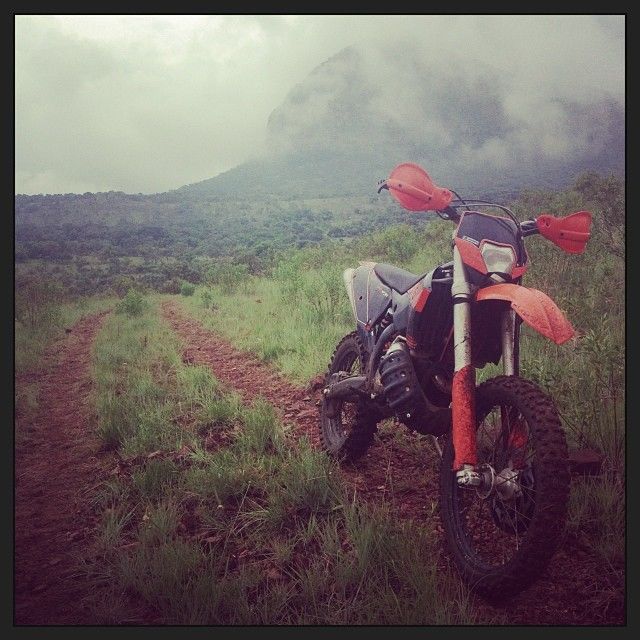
(474, 98)
(149, 103)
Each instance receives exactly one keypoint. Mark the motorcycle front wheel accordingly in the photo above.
(503, 534)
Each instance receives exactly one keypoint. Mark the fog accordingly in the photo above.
(147, 104)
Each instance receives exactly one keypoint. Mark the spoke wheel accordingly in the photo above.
(502, 534)
(349, 432)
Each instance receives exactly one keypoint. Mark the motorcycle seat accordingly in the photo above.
(396, 278)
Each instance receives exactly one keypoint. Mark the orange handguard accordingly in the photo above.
(412, 187)
(570, 233)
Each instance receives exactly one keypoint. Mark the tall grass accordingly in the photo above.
(135, 361)
(295, 318)
(586, 377)
(219, 518)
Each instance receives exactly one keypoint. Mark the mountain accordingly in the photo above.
(337, 133)
(348, 124)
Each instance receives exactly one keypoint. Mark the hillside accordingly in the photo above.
(360, 113)
(161, 490)
(333, 137)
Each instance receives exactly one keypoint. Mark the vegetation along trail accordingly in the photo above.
(401, 478)
(402, 469)
(56, 463)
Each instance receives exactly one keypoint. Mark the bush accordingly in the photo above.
(121, 284)
(133, 304)
(288, 273)
(395, 244)
(37, 302)
(228, 276)
(207, 299)
(172, 286)
(187, 289)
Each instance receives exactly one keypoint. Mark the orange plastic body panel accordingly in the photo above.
(418, 296)
(519, 271)
(412, 187)
(471, 255)
(570, 233)
(463, 414)
(536, 308)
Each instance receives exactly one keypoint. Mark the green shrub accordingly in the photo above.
(207, 298)
(133, 304)
(228, 276)
(187, 289)
(37, 302)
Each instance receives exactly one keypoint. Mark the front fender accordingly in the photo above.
(535, 308)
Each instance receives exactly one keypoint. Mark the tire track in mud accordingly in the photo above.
(403, 470)
(56, 463)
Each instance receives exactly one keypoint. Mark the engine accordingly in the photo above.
(404, 395)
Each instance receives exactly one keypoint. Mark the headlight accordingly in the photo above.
(497, 257)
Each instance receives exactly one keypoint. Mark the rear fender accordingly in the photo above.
(535, 308)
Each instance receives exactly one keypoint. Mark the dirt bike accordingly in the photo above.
(504, 478)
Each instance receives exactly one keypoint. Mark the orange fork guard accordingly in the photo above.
(535, 308)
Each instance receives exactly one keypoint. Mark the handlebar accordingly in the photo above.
(529, 228)
(414, 189)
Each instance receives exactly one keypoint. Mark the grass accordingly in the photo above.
(220, 517)
(295, 318)
(135, 361)
(274, 330)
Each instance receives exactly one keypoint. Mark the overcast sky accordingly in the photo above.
(148, 104)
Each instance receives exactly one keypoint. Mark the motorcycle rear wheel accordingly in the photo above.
(501, 540)
(348, 434)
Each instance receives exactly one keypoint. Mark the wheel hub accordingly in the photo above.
(504, 485)
(507, 484)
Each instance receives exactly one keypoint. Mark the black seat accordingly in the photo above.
(396, 278)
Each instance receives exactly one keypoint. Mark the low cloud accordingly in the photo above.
(147, 104)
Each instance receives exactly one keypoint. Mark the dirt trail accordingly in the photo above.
(56, 463)
(402, 470)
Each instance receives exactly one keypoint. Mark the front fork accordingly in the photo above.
(510, 343)
(463, 391)
(463, 388)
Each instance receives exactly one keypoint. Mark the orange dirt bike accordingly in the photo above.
(504, 479)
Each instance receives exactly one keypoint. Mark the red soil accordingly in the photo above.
(56, 465)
